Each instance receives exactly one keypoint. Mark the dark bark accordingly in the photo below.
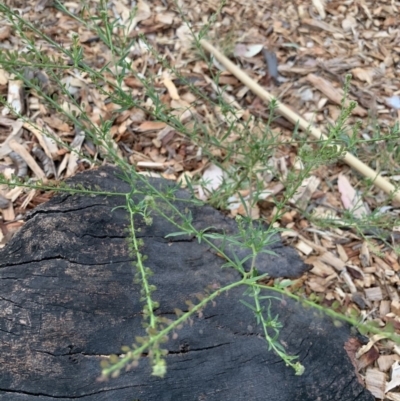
(67, 298)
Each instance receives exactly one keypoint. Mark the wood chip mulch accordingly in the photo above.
(300, 51)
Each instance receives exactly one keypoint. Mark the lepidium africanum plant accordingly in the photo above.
(243, 160)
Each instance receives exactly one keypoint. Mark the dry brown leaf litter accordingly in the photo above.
(300, 52)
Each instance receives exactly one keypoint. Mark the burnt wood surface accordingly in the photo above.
(67, 298)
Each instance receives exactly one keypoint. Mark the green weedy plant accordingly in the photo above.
(243, 161)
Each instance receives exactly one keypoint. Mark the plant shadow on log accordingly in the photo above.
(68, 298)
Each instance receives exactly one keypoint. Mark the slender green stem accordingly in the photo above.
(171, 327)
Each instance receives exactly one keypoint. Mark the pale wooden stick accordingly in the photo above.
(351, 160)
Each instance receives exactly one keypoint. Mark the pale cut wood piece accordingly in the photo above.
(303, 248)
(271, 191)
(392, 396)
(72, 164)
(8, 213)
(326, 243)
(39, 135)
(313, 245)
(396, 266)
(76, 145)
(30, 161)
(56, 123)
(14, 193)
(47, 139)
(149, 174)
(320, 268)
(70, 108)
(384, 308)
(395, 307)
(182, 110)
(4, 76)
(320, 6)
(364, 256)
(329, 236)
(342, 253)
(254, 211)
(4, 191)
(365, 348)
(305, 191)
(333, 261)
(328, 279)
(396, 349)
(330, 296)
(374, 293)
(185, 178)
(395, 377)
(332, 93)
(393, 294)
(317, 284)
(30, 196)
(392, 259)
(321, 25)
(15, 98)
(171, 88)
(147, 126)
(289, 69)
(63, 165)
(289, 234)
(359, 283)
(164, 132)
(293, 117)
(381, 263)
(152, 165)
(16, 133)
(368, 280)
(386, 361)
(348, 280)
